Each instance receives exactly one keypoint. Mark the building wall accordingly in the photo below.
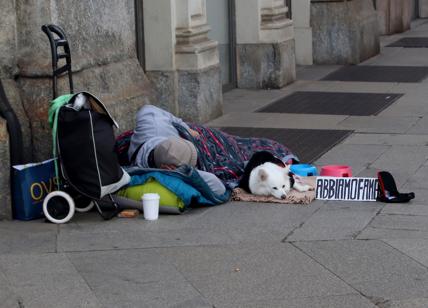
(8, 70)
(102, 40)
(181, 61)
(423, 8)
(301, 15)
(265, 44)
(344, 32)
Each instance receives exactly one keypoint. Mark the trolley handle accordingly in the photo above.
(57, 39)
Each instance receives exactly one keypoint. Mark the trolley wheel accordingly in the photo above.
(58, 207)
(83, 204)
(89, 207)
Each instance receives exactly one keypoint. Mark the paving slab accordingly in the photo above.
(405, 109)
(411, 104)
(375, 269)
(387, 139)
(400, 222)
(135, 278)
(415, 248)
(238, 274)
(94, 223)
(358, 156)
(314, 72)
(367, 173)
(336, 220)
(234, 222)
(408, 303)
(372, 124)
(278, 120)
(256, 222)
(238, 99)
(8, 298)
(87, 241)
(46, 280)
(410, 209)
(413, 95)
(418, 180)
(338, 301)
(402, 161)
(371, 233)
(411, 89)
(18, 237)
(420, 127)
(405, 57)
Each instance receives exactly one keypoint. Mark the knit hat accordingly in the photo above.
(175, 151)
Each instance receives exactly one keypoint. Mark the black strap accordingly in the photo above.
(134, 155)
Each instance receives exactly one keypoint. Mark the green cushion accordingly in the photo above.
(168, 203)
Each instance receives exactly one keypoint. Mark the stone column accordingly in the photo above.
(423, 8)
(265, 44)
(394, 15)
(344, 32)
(159, 43)
(181, 61)
(301, 10)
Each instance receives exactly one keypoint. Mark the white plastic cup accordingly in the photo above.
(151, 206)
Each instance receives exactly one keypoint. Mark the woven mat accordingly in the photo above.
(294, 197)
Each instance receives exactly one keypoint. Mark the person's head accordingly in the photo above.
(175, 152)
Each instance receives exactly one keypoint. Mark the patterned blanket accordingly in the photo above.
(218, 152)
(226, 155)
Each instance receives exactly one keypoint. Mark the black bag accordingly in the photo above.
(388, 192)
(85, 143)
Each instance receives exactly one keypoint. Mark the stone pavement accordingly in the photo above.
(327, 254)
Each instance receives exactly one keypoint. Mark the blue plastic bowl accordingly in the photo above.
(304, 170)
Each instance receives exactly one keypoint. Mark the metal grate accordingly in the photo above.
(358, 104)
(410, 42)
(307, 144)
(373, 73)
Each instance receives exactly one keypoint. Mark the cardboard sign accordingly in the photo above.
(346, 189)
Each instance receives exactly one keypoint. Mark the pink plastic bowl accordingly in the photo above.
(336, 170)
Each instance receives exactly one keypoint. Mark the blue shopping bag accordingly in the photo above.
(31, 184)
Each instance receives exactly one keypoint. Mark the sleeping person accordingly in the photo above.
(156, 143)
(162, 140)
